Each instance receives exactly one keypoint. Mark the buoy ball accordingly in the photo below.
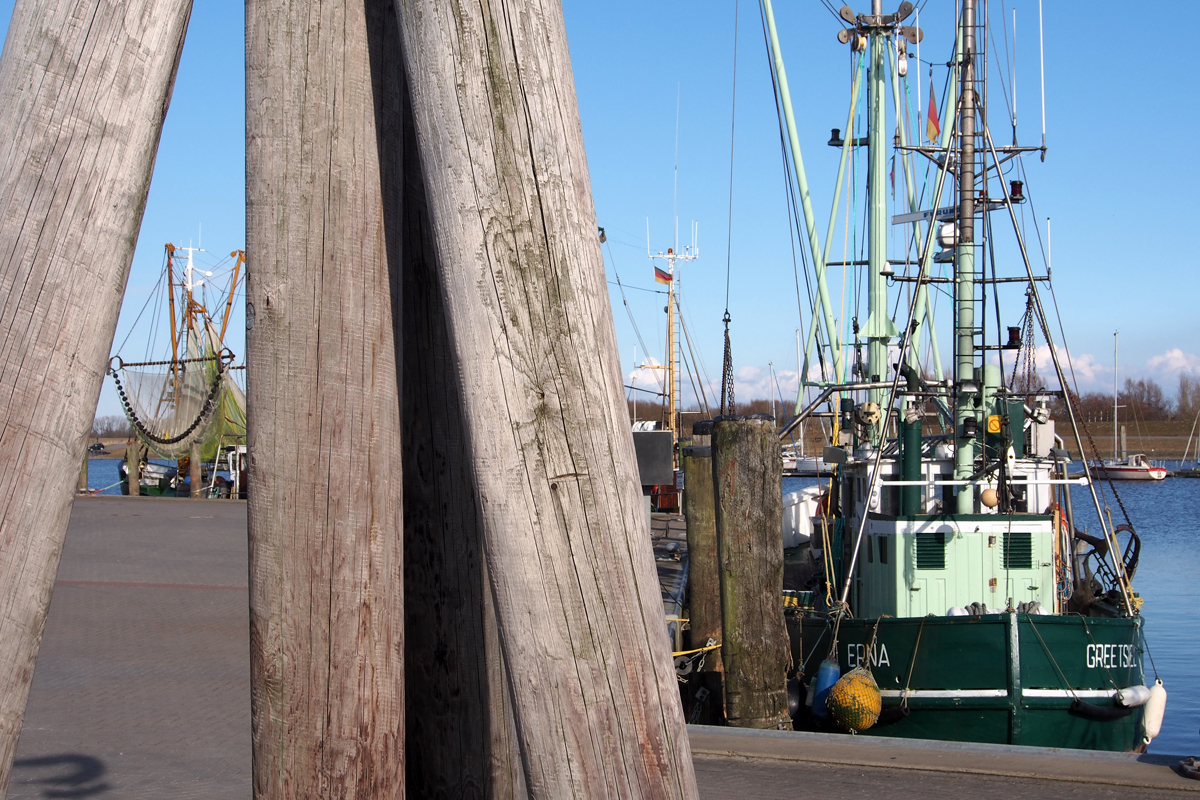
(854, 700)
(990, 498)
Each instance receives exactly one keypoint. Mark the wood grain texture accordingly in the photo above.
(704, 575)
(747, 471)
(84, 88)
(568, 550)
(460, 737)
(325, 505)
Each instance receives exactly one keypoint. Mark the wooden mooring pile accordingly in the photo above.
(733, 507)
(452, 592)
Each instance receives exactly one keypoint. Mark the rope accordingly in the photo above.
(727, 402)
(1058, 669)
(732, 139)
(704, 649)
(912, 663)
(1107, 671)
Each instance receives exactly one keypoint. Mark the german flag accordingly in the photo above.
(662, 277)
(932, 129)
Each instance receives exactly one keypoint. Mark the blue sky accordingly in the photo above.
(1119, 181)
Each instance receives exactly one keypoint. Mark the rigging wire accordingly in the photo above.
(793, 204)
(701, 374)
(727, 401)
(628, 310)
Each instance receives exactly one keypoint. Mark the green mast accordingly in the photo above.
(879, 329)
(966, 387)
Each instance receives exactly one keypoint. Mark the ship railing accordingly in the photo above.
(1081, 481)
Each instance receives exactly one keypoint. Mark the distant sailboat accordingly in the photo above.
(1127, 466)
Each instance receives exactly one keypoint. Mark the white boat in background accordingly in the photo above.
(1125, 466)
(799, 509)
(1134, 467)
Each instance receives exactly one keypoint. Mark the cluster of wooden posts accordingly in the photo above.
(452, 591)
(734, 507)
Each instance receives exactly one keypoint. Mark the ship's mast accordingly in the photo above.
(1116, 449)
(672, 257)
(966, 387)
(879, 329)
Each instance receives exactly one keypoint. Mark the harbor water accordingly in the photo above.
(1166, 515)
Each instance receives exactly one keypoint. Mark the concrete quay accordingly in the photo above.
(142, 690)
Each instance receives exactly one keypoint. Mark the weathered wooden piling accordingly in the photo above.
(460, 738)
(133, 466)
(325, 507)
(194, 471)
(84, 87)
(704, 575)
(747, 473)
(568, 551)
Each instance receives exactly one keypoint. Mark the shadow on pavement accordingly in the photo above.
(65, 775)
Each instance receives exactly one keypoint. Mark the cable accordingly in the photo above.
(628, 310)
(732, 140)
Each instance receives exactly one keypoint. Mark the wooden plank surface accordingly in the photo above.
(578, 605)
(84, 88)
(325, 502)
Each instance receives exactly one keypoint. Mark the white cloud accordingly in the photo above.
(646, 380)
(1173, 362)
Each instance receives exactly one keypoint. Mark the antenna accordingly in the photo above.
(1049, 252)
(675, 192)
(1012, 76)
(771, 368)
(1042, 60)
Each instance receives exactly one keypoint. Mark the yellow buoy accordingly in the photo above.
(989, 497)
(855, 701)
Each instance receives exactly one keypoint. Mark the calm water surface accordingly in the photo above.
(1166, 515)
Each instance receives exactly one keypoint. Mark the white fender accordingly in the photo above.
(1152, 717)
(1133, 696)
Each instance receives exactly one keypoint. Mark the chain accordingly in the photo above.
(204, 411)
(224, 355)
(727, 406)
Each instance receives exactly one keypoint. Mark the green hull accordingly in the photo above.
(964, 683)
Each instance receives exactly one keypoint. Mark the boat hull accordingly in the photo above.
(1040, 680)
(1136, 473)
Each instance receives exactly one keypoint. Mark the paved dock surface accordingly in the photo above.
(142, 686)
(142, 691)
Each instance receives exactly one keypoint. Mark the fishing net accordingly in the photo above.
(173, 404)
(855, 700)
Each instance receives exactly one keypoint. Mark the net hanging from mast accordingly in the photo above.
(171, 404)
